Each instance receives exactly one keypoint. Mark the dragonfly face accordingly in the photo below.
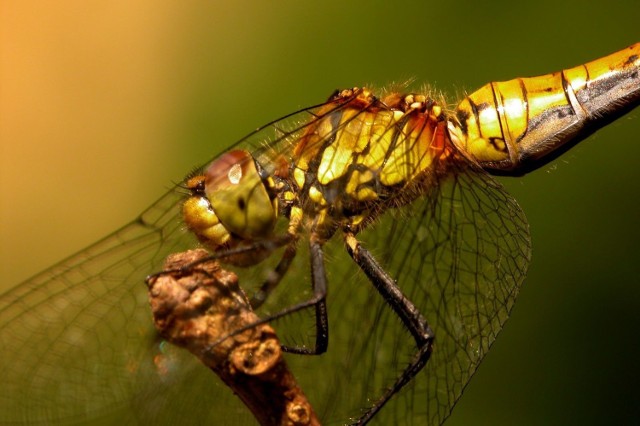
(231, 204)
(401, 181)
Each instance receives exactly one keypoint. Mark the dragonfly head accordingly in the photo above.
(231, 204)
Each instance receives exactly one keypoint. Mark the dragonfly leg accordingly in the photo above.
(283, 265)
(319, 284)
(318, 301)
(274, 278)
(404, 308)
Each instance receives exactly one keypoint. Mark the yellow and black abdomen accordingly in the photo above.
(515, 126)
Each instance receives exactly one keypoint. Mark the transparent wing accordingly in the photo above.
(460, 253)
(77, 342)
(76, 338)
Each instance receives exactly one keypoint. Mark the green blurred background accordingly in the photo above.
(104, 105)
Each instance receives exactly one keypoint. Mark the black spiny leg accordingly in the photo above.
(283, 265)
(274, 279)
(404, 308)
(319, 284)
(318, 301)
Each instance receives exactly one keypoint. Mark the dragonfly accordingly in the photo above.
(398, 184)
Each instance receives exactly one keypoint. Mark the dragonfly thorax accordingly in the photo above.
(355, 162)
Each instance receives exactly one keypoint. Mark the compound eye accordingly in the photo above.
(238, 195)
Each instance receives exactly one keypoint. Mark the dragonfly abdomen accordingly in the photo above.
(515, 126)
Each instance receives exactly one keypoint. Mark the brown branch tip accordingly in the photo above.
(197, 306)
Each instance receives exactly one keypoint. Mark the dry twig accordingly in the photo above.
(196, 306)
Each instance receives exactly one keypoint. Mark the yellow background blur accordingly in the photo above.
(104, 104)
